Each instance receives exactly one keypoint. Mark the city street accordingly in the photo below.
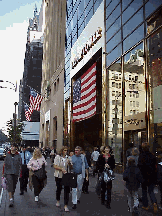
(90, 203)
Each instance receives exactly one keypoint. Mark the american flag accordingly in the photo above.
(28, 112)
(84, 95)
(35, 100)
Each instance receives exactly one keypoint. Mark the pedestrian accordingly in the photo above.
(12, 170)
(79, 166)
(61, 165)
(35, 164)
(85, 182)
(147, 166)
(52, 156)
(135, 155)
(25, 157)
(95, 154)
(159, 181)
(133, 178)
(106, 160)
(44, 153)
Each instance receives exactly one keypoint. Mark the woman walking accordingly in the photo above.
(35, 164)
(11, 170)
(60, 164)
(106, 160)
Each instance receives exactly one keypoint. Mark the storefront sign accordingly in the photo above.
(89, 44)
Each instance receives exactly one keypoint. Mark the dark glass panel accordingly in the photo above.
(81, 8)
(151, 6)
(125, 3)
(89, 16)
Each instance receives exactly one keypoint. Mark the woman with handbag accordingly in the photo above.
(60, 164)
(37, 164)
(106, 161)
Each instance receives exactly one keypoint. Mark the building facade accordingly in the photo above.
(32, 77)
(51, 120)
(123, 39)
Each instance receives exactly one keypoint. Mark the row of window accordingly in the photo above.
(134, 103)
(116, 85)
(132, 112)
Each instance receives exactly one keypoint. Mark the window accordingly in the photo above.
(134, 112)
(113, 42)
(119, 85)
(89, 16)
(130, 103)
(134, 103)
(116, 53)
(130, 77)
(120, 76)
(136, 36)
(110, 8)
(130, 94)
(116, 76)
(151, 6)
(130, 86)
(113, 93)
(131, 9)
(131, 112)
(132, 23)
(113, 84)
(111, 31)
(55, 87)
(113, 16)
(113, 102)
(137, 95)
(137, 103)
(116, 85)
(57, 83)
(134, 95)
(136, 78)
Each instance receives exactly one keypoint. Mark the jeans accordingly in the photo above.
(58, 191)
(132, 199)
(151, 194)
(76, 192)
(24, 178)
(106, 188)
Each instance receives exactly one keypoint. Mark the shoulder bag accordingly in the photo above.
(41, 173)
(69, 179)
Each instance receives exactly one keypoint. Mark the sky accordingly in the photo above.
(14, 16)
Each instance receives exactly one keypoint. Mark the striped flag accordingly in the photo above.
(28, 112)
(84, 95)
(35, 100)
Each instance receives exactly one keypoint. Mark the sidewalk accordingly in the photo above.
(90, 203)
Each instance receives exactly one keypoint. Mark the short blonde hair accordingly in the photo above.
(37, 153)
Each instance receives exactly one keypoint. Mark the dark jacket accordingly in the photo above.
(88, 157)
(147, 166)
(12, 165)
(133, 178)
(159, 173)
(101, 163)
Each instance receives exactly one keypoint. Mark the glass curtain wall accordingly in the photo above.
(126, 46)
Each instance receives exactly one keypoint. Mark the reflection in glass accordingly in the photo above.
(135, 94)
(113, 42)
(115, 113)
(113, 16)
(111, 31)
(113, 55)
(111, 7)
(131, 10)
(136, 36)
(133, 23)
(151, 6)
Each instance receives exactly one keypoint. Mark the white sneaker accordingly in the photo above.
(36, 198)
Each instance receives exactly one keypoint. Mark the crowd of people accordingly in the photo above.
(71, 172)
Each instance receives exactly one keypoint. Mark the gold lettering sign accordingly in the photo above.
(89, 44)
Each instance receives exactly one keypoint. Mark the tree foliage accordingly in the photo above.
(10, 130)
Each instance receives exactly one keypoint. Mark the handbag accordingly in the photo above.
(108, 175)
(69, 179)
(41, 173)
(3, 183)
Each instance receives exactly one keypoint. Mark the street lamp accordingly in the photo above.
(14, 137)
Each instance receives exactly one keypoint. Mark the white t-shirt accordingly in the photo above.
(95, 155)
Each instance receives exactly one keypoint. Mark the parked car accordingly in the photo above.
(2, 154)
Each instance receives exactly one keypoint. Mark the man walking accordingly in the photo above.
(25, 157)
(94, 156)
(80, 166)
